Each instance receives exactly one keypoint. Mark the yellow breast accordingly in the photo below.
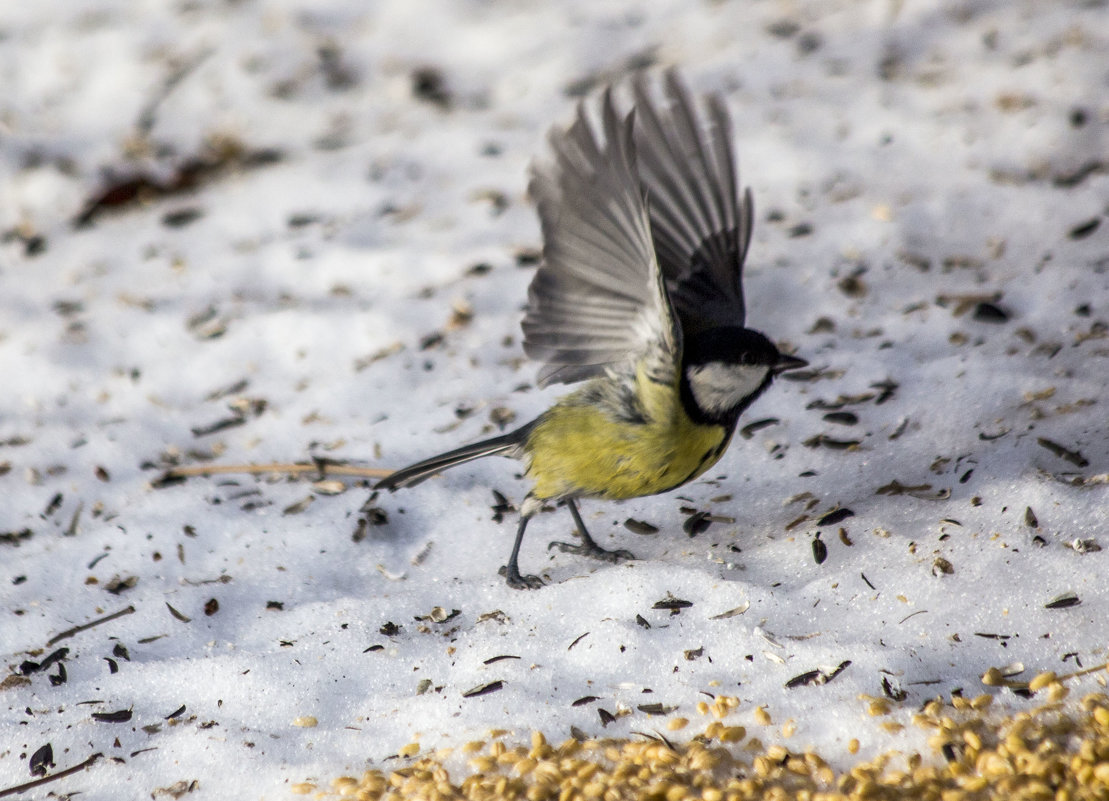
(580, 448)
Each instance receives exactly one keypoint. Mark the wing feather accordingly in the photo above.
(598, 301)
(701, 226)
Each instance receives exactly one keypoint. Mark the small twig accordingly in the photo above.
(61, 774)
(323, 468)
(65, 635)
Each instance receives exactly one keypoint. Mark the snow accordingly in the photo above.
(928, 150)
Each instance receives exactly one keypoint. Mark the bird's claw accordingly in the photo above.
(516, 581)
(593, 551)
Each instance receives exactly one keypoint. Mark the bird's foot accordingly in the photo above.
(593, 551)
(516, 581)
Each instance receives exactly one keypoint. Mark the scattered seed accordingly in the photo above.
(177, 615)
(1074, 457)
(751, 429)
(986, 312)
(1065, 601)
(484, 689)
(640, 527)
(886, 390)
(494, 659)
(42, 760)
(1088, 545)
(1084, 229)
(942, 567)
(824, 441)
(697, 523)
(299, 506)
(819, 549)
(803, 679)
(739, 610)
(675, 605)
(835, 516)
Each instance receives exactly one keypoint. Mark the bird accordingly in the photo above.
(639, 299)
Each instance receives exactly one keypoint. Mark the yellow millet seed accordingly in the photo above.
(778, 753)
(1091, 700)
(933, 708)
(677, 724)
(593, 790)
(732, 734)
(993, 677)
(1101, 716)
(981, 702)
(1042, 680)
(762, 717)
(482, 764)
(678, 793)
(878, 707)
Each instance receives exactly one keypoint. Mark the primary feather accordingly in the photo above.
(644, 235)
(598, 301)
(700, 225)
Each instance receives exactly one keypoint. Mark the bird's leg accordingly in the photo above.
(588, 546)
(511, 571)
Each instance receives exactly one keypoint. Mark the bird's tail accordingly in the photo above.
(415, 473)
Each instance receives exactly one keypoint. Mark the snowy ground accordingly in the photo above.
(329, 251)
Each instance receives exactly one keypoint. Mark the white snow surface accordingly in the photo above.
(908, 161)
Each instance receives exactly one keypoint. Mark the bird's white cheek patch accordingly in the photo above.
(718, 387)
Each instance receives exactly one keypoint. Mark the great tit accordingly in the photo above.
(639, 295)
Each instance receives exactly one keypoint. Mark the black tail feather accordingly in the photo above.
(415, 473)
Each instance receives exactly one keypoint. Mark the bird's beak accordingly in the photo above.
(785, 363)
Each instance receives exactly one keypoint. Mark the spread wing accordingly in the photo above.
(598, 301)
(700, 226)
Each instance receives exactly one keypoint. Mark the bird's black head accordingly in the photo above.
(725, 369)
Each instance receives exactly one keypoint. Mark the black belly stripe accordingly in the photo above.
(709, 456)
